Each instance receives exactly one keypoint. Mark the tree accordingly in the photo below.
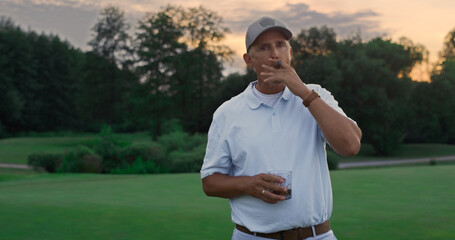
(106, 70)
(11, 102)
(425, 125)
(449, 46)
(53, 105)
(314, 41)
(442, 93)
(204, 31)
(37, 75)
(399, 57)
(199, 72)
(314, 58)
(433, 102)
(374, 92)
(180, 64)
(18, 71)
(158, 44)
(110, 37)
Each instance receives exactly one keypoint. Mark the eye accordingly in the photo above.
(281, 44)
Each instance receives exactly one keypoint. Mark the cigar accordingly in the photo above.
(278, 64)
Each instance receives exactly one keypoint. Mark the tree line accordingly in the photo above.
(169, 75)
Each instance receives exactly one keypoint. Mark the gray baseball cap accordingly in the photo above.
(263, 24)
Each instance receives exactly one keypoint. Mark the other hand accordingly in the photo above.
(263, 185)
(284, 74)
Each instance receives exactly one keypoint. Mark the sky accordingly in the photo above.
(424, 22)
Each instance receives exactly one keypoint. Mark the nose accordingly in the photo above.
(274, 52)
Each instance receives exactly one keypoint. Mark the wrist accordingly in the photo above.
(243, 183)
(310, 98)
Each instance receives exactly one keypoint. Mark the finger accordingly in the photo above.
(276, 189)
(271, 182)
(272, 198)
(277, 63)
(269, 197)
(269, 68)
(267, 74)
(272, 178)
(267, 200)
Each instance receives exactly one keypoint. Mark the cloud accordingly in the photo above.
(300, 16)
(69, 23)
(73, 19)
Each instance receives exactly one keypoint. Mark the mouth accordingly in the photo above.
(278, 64)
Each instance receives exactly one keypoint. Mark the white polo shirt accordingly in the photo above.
(248, 137)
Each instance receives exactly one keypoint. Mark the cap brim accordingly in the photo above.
(287, 34)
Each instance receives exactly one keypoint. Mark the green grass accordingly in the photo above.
(387, 203)
(110, 207)
(394, 203)
(407, 151)
(11, 173)
(17, 150)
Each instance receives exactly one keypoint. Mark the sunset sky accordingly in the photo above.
(423, 21)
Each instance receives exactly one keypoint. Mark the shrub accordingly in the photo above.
(181, 141)
(157, 153)
(47, 161)
(187, 161)
(108, 149)
(132, 153)
(139, 166)
(332, 160)
(92, 164)
(164, 126)
(154, 153)
(172, 125)
(81, 159)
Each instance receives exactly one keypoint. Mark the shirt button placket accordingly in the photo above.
(276, 125)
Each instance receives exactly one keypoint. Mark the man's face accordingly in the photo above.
(269, 45)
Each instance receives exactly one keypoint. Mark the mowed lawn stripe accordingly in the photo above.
(110, 207)
(385, 203)
(395, 203)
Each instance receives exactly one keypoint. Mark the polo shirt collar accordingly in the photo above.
(287, 94)
(253, 102)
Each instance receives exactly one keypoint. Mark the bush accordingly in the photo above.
(47, 161)
(139, 166)
(332, 160)
(157, 154)
(154, 153)
(187, 161)
(108, 149)
(181, 141)
(92, 164)
(81, 159)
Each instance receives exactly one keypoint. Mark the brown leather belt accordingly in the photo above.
(296, 233)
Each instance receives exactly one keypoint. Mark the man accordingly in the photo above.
(268, 128)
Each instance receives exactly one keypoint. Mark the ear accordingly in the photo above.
(247, 59)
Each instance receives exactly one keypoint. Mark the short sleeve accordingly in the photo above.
(217, 158)
(328, 98)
